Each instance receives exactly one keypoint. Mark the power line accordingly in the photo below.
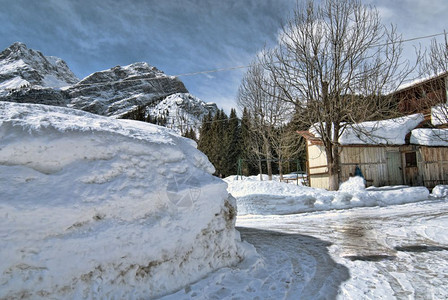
(244, 66)
(247, 66)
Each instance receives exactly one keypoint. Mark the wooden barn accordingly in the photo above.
(421, 95)
(386, 153)
(428, 151)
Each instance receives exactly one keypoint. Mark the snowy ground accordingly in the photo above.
(274, 197)
(93, 207)
(388, 252)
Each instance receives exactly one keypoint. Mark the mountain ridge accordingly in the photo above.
(28, 76)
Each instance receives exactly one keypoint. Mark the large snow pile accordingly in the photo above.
(93, 207)
(272, 197)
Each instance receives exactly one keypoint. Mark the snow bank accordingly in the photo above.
(440, 191)
(93, 207)
(272, 197)
(353, 185)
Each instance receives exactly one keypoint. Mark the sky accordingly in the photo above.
(180, 36)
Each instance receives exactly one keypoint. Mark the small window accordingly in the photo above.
(411, 159)
(420, 93)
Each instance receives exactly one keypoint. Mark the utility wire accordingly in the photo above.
(243, 66)
(247, 66)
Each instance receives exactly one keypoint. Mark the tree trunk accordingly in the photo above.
(333, 177)
(333, 167)
(268, 160)
(260, 169)
(280, 169)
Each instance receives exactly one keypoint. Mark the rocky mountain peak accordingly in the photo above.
(14, 50)
(23, 67)
(140, 70)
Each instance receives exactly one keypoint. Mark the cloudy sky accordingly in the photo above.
(179, 36)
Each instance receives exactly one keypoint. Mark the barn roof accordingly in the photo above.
(384, 132)
(420, 81)
(430, 137)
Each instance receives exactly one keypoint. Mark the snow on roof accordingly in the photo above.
(419, 81)
(384, 132)
(430, 137)
(439, 114)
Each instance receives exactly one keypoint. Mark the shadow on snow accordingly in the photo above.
(308, 255)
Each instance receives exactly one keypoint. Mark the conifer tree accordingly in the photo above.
(233, 143)
(219, 143)
(191, 134)
(205, 135)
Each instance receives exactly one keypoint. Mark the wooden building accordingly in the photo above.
(429, 148)
(397, 154)
(421, 95)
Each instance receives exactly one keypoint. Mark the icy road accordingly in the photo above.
(394, 252)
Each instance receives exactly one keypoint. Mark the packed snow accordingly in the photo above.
(440, 191)
(273, 197)
(94, 207)
(387, 132)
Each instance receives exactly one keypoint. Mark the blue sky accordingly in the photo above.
(179, 36)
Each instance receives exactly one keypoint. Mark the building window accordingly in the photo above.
(420, 93)
(411, 159)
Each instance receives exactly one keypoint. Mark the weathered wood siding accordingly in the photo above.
(317, 167)
(433, 165)
(379, 165)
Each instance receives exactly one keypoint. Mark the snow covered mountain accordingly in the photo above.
(181, 111)
(119, 90)
(27, 76)
(23, 67)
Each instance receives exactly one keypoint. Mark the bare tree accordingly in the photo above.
(435, 68)
(335, 62)
(259, 96)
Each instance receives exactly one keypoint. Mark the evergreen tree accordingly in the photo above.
(191, 134)
(205, 136)
(233, 140)
(219, 143)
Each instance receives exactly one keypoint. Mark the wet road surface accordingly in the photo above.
(396, 252)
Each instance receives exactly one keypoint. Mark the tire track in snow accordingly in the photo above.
(314, 274)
